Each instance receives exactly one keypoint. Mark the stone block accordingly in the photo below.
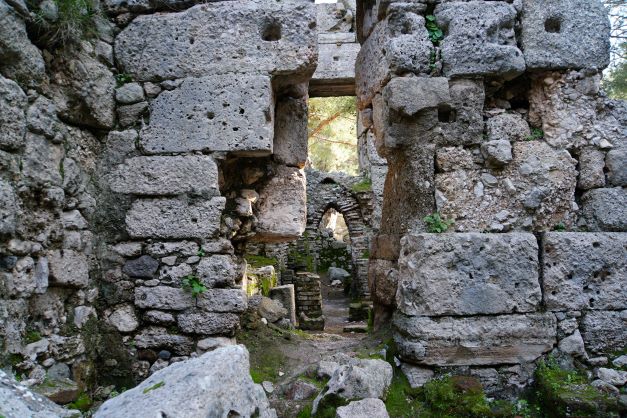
(406, 96)
(553, 33)
(591, 169)
(290, 131)
(286, 296)
(162, 249)
(158, 338)
(383, 281)
(276, 38)
(42, 161)
(508, 126)
(604, 332)
(223, 300)
(124, 319)
(282, 207)
(68, 268)
(585, 271)
(616, 162)
(474, 341)
(23, 59)
(335, 73)
(220, 271)
(163, 297)
(12, 116)
(479, 39)
(143, 267)
(468, 274)
(534, 191)
(497, 153)
(129, 93)
(8, 208)
(232, 112)
(166, 175)
(208, 323)
(605, 209)
(398, 45)
(174, 218)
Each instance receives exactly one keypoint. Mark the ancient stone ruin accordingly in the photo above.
(156, 202)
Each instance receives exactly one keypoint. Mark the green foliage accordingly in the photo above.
(122, 79)
(193, 285)
(535, 134)
(155, 386)
(435, 33)
(363, 186)
(444, 398)
(32, 337)
(332, 133)
(560, 227)
(437, 225)
(258, 261)
(615, 84)
(75, 21)
(82, 403)
(200, 253)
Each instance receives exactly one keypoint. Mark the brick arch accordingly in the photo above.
(328, 194)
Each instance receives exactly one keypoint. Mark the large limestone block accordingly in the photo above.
(21, 60)
(16, 400)
(258, 36)
(468, 274)
(335, 73)
(282, 208)
(216, 384)
(208, 323)
(12, 117)
(369, 407)
(290, 131)
(223, 300)
(163, 297)
(605, 209)
(230, 112)
(534, 191)
(68, 268)
(166, 175)
(407, 96)
(605, 332)
(585, 271)
(174, 218)
(159, 338)
(479, 39)
(565, 34)
(479, 340)
(398, 45)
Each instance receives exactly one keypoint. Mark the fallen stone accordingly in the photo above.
(358, 380)
(573, 345)
(481, 340)
(301, 390)
(417, 376)
(174, 218)
(611, 376)
(286, 296)
(17, 400)
(217, 383)
(231, 112)
(255, 37)
(271, 309)
(61, 391)
(468, 274)
(369, 407)
(161, 176)
(584, 271)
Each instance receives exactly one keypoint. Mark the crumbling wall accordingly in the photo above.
(493, 119)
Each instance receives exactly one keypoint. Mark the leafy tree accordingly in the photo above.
(332, 134)
(615, 82)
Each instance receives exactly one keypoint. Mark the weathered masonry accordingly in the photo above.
(497, 125)
(146, 159)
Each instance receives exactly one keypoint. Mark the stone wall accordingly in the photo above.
(138, 162)
(498, 126)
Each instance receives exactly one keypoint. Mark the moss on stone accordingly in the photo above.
(363, 186)
(82, 403)
(258, 261)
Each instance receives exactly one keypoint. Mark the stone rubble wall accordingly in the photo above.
(501, 127)
(136, 160)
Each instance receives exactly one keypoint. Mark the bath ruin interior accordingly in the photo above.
(289, 208)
